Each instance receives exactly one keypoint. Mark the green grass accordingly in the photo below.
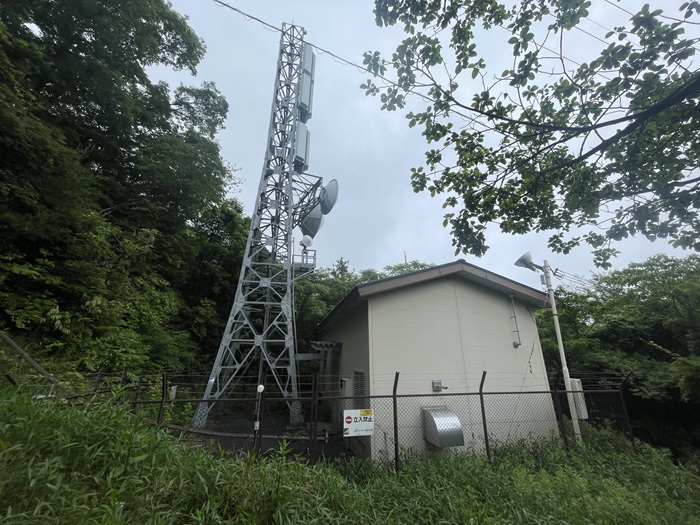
(94, 464)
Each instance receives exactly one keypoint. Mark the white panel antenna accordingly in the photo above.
(303, 142)
(307, 84)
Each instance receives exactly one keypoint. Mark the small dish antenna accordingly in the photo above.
(328, 196)
(307, 241)
(312, 222)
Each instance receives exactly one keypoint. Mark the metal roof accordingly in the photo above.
(460, 269)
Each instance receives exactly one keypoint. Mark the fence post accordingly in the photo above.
(124, 377)
(314, 411)
(397, 455)
(35, 365)
(483, 416)
(164, 397)
(627, 420)
(624, 411)
(560, 416)
(137, 393)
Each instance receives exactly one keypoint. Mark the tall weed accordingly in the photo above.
(95, 463)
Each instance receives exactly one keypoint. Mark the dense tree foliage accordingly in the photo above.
(593, 139)
(119, 247)
(641, 320)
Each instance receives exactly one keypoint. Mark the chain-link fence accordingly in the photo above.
(474, 422)
(401, 425)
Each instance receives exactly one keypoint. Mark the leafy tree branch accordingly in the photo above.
(549, 150)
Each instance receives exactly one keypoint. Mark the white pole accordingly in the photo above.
(562, 356)
(256, 428)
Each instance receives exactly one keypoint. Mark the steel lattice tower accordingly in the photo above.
(260, 327)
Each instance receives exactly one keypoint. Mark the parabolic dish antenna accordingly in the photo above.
(312, 222)
(328, 196)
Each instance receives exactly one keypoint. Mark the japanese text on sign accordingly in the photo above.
(358, 422)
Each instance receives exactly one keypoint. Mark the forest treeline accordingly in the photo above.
(120, 248)
(642, 322)
(118, 245)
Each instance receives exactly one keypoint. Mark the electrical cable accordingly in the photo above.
(660, 15)
(364, 69)
(335, 57)
(576, 279)
(247, 16)
(471, 120)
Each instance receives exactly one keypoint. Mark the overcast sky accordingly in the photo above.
(378, 220)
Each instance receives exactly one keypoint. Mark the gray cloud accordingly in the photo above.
(370, 152)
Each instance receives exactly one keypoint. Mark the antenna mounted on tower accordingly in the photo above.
(260, 327)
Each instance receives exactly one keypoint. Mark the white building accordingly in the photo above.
(449, 324)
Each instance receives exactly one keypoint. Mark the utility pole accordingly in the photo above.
(562, 356)
(525, 261)
(260, 327)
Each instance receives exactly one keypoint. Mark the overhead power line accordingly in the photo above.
(361, 68)
(279, 30)
(247, 16)
(471, 119)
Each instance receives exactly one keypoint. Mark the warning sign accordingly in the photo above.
(358, 422)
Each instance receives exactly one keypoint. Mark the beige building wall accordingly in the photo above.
(415, 331)
(352, 332)
(452, 330)
(353, 357)
(449, 330)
